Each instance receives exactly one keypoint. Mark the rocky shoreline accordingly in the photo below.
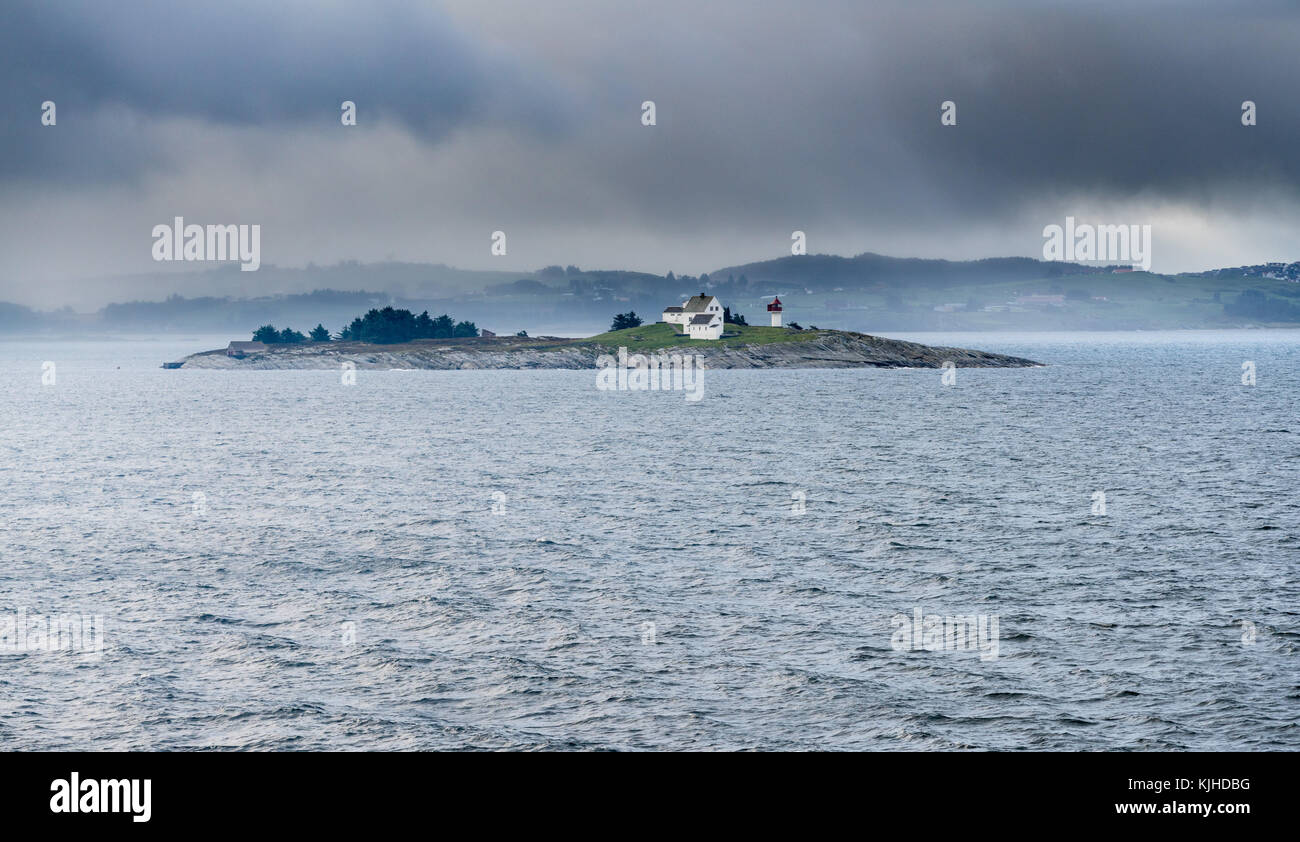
(820, 349)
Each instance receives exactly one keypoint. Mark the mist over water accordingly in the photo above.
(499, 539)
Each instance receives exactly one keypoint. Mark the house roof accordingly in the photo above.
(703, 318)
(697, 303)
(672, 309)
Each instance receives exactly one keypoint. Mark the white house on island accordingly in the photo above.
(700, 317)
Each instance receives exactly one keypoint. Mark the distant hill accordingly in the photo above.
(1273, 271)
(868, 292)
(868, 270)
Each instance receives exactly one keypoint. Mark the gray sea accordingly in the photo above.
(517, 560)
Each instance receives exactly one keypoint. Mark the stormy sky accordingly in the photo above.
(525, 117)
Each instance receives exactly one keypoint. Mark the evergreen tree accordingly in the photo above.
(424, 326)
(443, 326)
(267, 334)
(386, 327)
(623, 321)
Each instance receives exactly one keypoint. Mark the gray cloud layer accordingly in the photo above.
(525, 118)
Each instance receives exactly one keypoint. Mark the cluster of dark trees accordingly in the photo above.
(731, 318)
(386, 327)
(269, 335)
(389, 326)
(623, 321)
(559, 271)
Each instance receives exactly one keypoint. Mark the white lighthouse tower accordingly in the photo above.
(775, 310)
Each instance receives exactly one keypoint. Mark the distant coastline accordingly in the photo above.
(864, 292)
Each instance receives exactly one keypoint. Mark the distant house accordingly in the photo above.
(239, 350)
(700, 317)
(485, 332)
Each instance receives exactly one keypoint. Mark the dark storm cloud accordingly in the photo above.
(1119, 100)
(1108, 96)
(820, 109)
(525, 117)
(242, 63)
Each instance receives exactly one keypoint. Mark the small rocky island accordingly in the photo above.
(738, 347)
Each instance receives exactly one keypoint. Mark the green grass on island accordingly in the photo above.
(653, 337)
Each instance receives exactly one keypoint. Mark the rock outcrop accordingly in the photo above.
(820, 349)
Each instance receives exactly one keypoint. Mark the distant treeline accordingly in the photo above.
(864, 292)
(222, 314)
(388, 326)
(269, 335)
(1256, 304)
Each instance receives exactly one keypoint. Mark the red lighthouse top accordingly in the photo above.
(775, 306)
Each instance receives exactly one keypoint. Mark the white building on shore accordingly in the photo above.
(700, 317)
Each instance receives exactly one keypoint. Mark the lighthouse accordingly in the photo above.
(775, 309)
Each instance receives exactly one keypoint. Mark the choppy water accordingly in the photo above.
(499, 540)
